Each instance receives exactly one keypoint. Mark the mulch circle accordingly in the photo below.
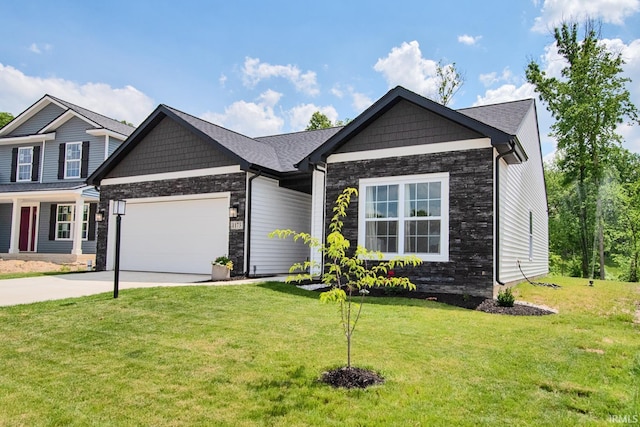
(351, 378)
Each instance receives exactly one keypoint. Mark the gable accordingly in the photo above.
(407, 124)
(38, 121)
(169, 147)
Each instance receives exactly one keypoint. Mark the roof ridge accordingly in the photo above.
(72, 106)
(299, 131)
(497, 103)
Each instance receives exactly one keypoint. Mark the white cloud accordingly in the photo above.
(222, 80)
(300, 115)
(468, 40)
(492, 78)
(406, 67)
(254, 71)
(250, 118)
(554, 12)
(360, 101)
(336, 91)
(39, 49)
(18, 91)
(506, 93)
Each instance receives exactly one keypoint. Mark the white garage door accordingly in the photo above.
(177, 236)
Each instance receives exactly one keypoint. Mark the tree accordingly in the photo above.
(450, 80)
(318, 121)
(321, 121)
(5, 118)
(588, 102)
(348, 273)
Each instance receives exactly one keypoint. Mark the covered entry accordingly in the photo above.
(181, 234)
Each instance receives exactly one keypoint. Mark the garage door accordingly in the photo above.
(179, 236)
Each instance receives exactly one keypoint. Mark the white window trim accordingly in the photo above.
(72, 222)
(67, 161)
(443, 178)
(24, 164)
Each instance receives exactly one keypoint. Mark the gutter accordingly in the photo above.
(248, 228)
(496, 257)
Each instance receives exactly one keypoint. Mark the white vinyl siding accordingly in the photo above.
(25, 162)
(407, 215)
(523, 197)
(274, 207)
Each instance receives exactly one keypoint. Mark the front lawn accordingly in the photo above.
(251, 355)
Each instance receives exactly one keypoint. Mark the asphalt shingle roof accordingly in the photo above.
(506, 116)
(41, 186)
(105, 122)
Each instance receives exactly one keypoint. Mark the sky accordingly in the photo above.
(263, 67)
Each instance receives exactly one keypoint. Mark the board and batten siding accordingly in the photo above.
(38, 121)
(273, 207)
(522, 190)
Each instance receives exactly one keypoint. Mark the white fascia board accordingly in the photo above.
(185, 197)
(47, 196)
(28, 138)
(171, 175)
(411, 150)
(106, 132)
(64, 117)
(27, 114)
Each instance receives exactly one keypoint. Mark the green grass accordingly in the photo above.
(251, 355)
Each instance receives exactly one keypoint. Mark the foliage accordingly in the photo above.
(348, 273)
(321, 121)
(449, 81)
(223, 260)
(588, 103)
(506, 298)
(5, 118)
(250, 355)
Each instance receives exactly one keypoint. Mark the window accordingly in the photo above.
(73, 160)
(25, 160)
(406, 215)
(65, 222)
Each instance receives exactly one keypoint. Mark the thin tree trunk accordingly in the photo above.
(600, 238)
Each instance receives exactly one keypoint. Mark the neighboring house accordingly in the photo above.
(47, 210)
(463, 190)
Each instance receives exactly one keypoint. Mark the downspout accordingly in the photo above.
(248, 228)
(497, 205)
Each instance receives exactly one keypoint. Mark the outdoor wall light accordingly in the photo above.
(100, 215)
(233, 210)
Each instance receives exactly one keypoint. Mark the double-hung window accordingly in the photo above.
(406, 215)
(25, 162)
(65, 222)
(73, 160)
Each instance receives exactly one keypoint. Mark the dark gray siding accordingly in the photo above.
(74, 130)
(470, 267)
(6, 156)
(5, 227)
(57, 246)
(404, 125)
(38, 121)
(169, 147)
(234, 183)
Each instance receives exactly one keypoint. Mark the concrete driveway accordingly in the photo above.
(44, 288)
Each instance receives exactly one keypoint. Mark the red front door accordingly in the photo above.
(28, 215)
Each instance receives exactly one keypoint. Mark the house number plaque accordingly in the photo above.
(236, 225)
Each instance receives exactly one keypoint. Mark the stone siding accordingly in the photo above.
(470, 266)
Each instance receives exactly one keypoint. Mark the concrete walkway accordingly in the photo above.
(45, 288)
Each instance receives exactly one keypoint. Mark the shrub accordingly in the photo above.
(506, 298)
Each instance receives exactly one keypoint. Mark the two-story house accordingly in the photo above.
(47, 210)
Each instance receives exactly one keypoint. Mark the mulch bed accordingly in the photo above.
(351, 378)
(491, 306)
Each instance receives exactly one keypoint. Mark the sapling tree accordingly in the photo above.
(348, 273)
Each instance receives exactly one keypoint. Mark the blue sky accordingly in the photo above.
(262, 68)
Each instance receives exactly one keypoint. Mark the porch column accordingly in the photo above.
(14, 242)
(77, 232)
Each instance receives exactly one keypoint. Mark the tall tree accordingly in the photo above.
(5, 118)
(318, 121)
(588, 102)
(450, 80)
